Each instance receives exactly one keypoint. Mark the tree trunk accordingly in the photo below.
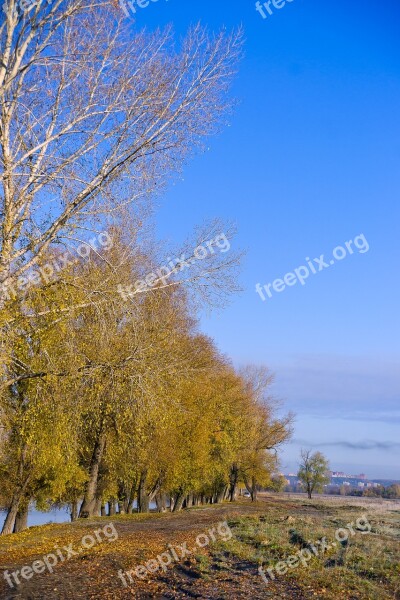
(251, 488)
(17, 497)
(112, 507)
(103, 511)
(221, 495)
(123, 498)
(179, 500)
(74, 510)
(21, 520)
(12, 512)
(89, 502)
(130, 505)
(161, 502)
(131, 499)
(97, 507)
(233, 479)
(143, 498)
(254, 490)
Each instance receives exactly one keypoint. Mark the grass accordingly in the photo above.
(366, 566)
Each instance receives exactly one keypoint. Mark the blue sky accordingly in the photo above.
(310, 161)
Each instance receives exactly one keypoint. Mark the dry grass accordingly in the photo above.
(264, 533)
(366, 567)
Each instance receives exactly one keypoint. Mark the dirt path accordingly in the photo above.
(93, 574)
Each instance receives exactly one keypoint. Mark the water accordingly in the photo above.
(61, 515)
(37, 517)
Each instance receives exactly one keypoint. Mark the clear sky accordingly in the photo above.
(310, 161)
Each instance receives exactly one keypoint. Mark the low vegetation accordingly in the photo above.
(264, 533)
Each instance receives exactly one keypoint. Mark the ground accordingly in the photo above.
(266, 533)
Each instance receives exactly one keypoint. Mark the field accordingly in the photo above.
(323, 548)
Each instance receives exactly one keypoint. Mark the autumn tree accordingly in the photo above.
(91, 124)
(278, 482)
(108, 392)
(39, 447)
(263, 433)
(91, 127)
(313, 471)
(94, 115)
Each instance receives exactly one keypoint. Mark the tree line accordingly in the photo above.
(125, 401)
(109, 399)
